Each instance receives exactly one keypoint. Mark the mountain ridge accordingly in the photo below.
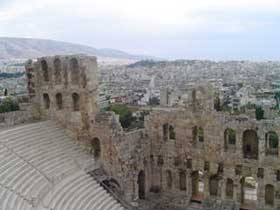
(24, 48)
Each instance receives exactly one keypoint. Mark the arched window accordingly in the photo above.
(169, 179)
(200, 134)
(57, 71)
(141, 185)
(249, 188)
(197, 186)
(46, 99)
(45, 70)
(229, 139)
(96, 148)
(168, 132)
(194, 96)
(76, 101)
(74, 71)
(272, 143)
(59, 102)
(165, 131)
(172, 134)
(250, 144)
(229, 188)
(269, 194)
(214, 185)
(183, 181)
(194, 134)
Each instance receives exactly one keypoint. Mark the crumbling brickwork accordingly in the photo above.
(64, 88)
(191, 152)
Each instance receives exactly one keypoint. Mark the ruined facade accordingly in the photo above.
(190, 152)
(64, 88)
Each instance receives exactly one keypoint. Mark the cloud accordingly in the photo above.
(152, 26)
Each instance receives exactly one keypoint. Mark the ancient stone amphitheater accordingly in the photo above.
(42, 168)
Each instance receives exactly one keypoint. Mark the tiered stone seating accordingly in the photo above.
(40, 169)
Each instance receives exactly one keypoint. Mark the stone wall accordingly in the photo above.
(64, 88)
(189, 152)
(9, 119)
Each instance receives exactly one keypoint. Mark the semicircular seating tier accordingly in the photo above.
(42, 168)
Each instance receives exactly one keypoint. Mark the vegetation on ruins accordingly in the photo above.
(9, 105)
(124, 112)
(259, 113)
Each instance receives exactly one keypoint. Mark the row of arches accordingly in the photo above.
(248, 187)
(59, 101)
(249, 140)
(58, 72)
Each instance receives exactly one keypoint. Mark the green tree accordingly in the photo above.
(259, 113)
(123, 111)
(8, 105)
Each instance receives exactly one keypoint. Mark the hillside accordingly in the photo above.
(18, 48)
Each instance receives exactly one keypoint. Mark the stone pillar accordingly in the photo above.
(260, 194)
(222, 189)
(206, 193)
(189, 184)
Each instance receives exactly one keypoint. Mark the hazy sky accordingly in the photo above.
(212, 29)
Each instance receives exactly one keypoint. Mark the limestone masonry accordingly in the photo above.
(191, 153)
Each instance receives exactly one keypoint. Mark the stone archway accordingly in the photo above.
(269, 194)
(249, 187)
(214, 185)
(183, 180)
(96, 148)
(46, 100)
(141, 185)
(45, 70)
(197, 186)
(250, 144)
(229, 188)
(169, 179)
(57, 71)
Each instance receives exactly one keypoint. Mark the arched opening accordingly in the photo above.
(172, 134)
(183, 180)
(46, 100)
(76, 101)
(74, 69)
(45, 70)
(272, 143)
(194, 96)
(194, 134)
(229, 188)
(249, 197)
(59, 102)
(57, 71)
(83, 79)
(250, 144)
(169, 179)
(197, 186)
(141, 185)
(229, 139)
(200, 134)
(96, 148)
(269, 194)
(214, 185)
(165, 131)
